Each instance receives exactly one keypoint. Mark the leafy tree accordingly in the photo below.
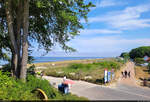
(125, 55)
(140, 52)
(46, 22)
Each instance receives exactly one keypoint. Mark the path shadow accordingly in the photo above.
(142, 79)
(99, 81)
(147, 70)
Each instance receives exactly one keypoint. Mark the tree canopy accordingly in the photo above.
(140, 52)
(47, 22)
(125, 55)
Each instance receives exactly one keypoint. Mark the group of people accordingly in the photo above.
(125, 74)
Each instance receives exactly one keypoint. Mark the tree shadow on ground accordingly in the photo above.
(147, 70)
(99, 81)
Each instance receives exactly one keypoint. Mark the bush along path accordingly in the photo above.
(11, 89)
(126, 89)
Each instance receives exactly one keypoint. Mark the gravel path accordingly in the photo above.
(124, 89)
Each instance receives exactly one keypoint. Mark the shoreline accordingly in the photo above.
(67, 62)
(58, 59)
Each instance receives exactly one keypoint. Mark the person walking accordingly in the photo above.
(125, 72)
(129, 74)
(122, 74)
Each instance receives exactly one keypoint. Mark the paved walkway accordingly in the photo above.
(125, 89)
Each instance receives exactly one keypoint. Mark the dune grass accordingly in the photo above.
(91, 72)
(142, 73)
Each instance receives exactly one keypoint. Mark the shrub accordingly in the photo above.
(31, 70)
(13, 90)
(76, 66)
(33, 83)
(139, 60)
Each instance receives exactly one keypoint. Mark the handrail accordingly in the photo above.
(42, 92)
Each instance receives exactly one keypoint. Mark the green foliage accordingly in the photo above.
(109, 64)
(33, 83)
(56, 21)
(6, 68)
(31, 70)
(140, 52)
(5, 80)
(30, 58)
(51, 22)
(125, 55)
(139, 60)
(11, 89)
(80, 71)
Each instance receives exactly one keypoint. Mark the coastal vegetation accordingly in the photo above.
(91, 72)
(142, 73)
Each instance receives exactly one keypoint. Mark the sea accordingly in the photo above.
(54, 59)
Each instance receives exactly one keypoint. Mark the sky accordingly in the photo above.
(114, 26)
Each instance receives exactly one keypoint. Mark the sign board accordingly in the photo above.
(112, 74)
(105, 75)
(109, 76)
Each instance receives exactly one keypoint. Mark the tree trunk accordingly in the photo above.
(12, 36)
(18, 28)
(13, 64)
(25, 41)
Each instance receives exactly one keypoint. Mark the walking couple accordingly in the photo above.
(125, 74)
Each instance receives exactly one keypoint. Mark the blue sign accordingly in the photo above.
(109, 76)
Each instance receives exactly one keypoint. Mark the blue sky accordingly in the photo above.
(114, 26)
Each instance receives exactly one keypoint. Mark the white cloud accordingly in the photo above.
(106, 3)
(129, 18)
(99, 31)
(99, 47)
(107, 45)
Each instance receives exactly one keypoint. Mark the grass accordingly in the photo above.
(142, 72)
(91, 72)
